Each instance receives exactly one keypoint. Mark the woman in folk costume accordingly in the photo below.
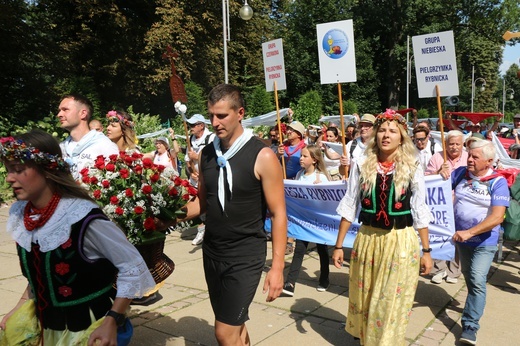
(71, 254)
(388, 186)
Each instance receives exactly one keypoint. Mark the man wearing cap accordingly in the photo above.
(200, 137)
(356, 148)
(292, 148)
(83, 145)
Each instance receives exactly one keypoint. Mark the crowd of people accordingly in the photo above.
(233, 169)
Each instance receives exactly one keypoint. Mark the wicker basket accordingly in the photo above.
(160, 265)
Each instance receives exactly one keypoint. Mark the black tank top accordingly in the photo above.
(238, 233)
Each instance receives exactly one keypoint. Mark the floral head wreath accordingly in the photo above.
(114, 116)
(16, 149)
(391, 115)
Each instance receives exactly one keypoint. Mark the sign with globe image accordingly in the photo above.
(335, 43)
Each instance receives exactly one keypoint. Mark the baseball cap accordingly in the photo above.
(367, 118)
(298, 127)
(196, 118)
(162, 139)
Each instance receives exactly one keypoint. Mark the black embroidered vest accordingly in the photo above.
(66, 284)
(390, 215)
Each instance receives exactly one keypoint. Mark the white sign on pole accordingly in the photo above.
(274, 67)
(435, 64)
(336, 52)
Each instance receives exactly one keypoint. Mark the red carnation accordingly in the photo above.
(65, 291)
(119, 211)
(85, 179)
(129, 192)
(105, 183)
(129, 160)
(177, 181)
(97, 194)
(173, 192)
(93, 180)
(155, 177)
(111, 167)
(114, 200)
(185, 183)
(186, 197)
(160, 168)
(147, 189)
(138, 169)
(100, 162)
(138, 210)
(84, 171)
(147, 163)
(136, 155)
(124, 173)
(149, 224)
(62, 268)
(192, 191)
(113, 157)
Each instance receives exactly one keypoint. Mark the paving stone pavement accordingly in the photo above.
(183, 315)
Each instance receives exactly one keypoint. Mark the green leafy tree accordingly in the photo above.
(259, 102)
(308, 110)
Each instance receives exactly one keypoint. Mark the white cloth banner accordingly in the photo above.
(335, 119)
(311, 214)
(268, 119)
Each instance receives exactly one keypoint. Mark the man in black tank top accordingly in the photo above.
(240, 179)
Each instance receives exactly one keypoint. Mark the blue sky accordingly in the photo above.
(511, 56)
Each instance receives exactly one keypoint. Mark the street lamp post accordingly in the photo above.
(473, 82)
(246, 13)
(504, 93)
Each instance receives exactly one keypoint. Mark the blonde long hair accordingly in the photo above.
(316, 154)
(405, 160)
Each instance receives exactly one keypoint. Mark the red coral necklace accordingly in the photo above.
(45, 213)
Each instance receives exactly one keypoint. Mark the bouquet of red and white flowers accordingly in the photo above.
(133, 192)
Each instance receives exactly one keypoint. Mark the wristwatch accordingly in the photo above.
(427, 250)
(120, 318)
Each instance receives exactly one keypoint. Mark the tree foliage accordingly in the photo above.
(112, 50)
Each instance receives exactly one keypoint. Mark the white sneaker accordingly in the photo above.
(437, 278)
(451, 280)
(199, 237)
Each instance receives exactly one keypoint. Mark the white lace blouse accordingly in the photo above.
(103, 240)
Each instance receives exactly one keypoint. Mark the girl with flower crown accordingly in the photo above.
(120, 130)
(71, 254)
(388, 186)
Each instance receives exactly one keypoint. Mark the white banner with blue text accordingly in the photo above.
(311, 214)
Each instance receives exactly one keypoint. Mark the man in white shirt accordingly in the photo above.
(425, 144)
(200, 137)
(83, 145)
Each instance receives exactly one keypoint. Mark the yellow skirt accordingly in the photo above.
(384, 271)
(23, 328)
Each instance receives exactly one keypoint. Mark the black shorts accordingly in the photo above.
(232, 286)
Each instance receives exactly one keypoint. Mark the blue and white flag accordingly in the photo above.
(311, 214)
